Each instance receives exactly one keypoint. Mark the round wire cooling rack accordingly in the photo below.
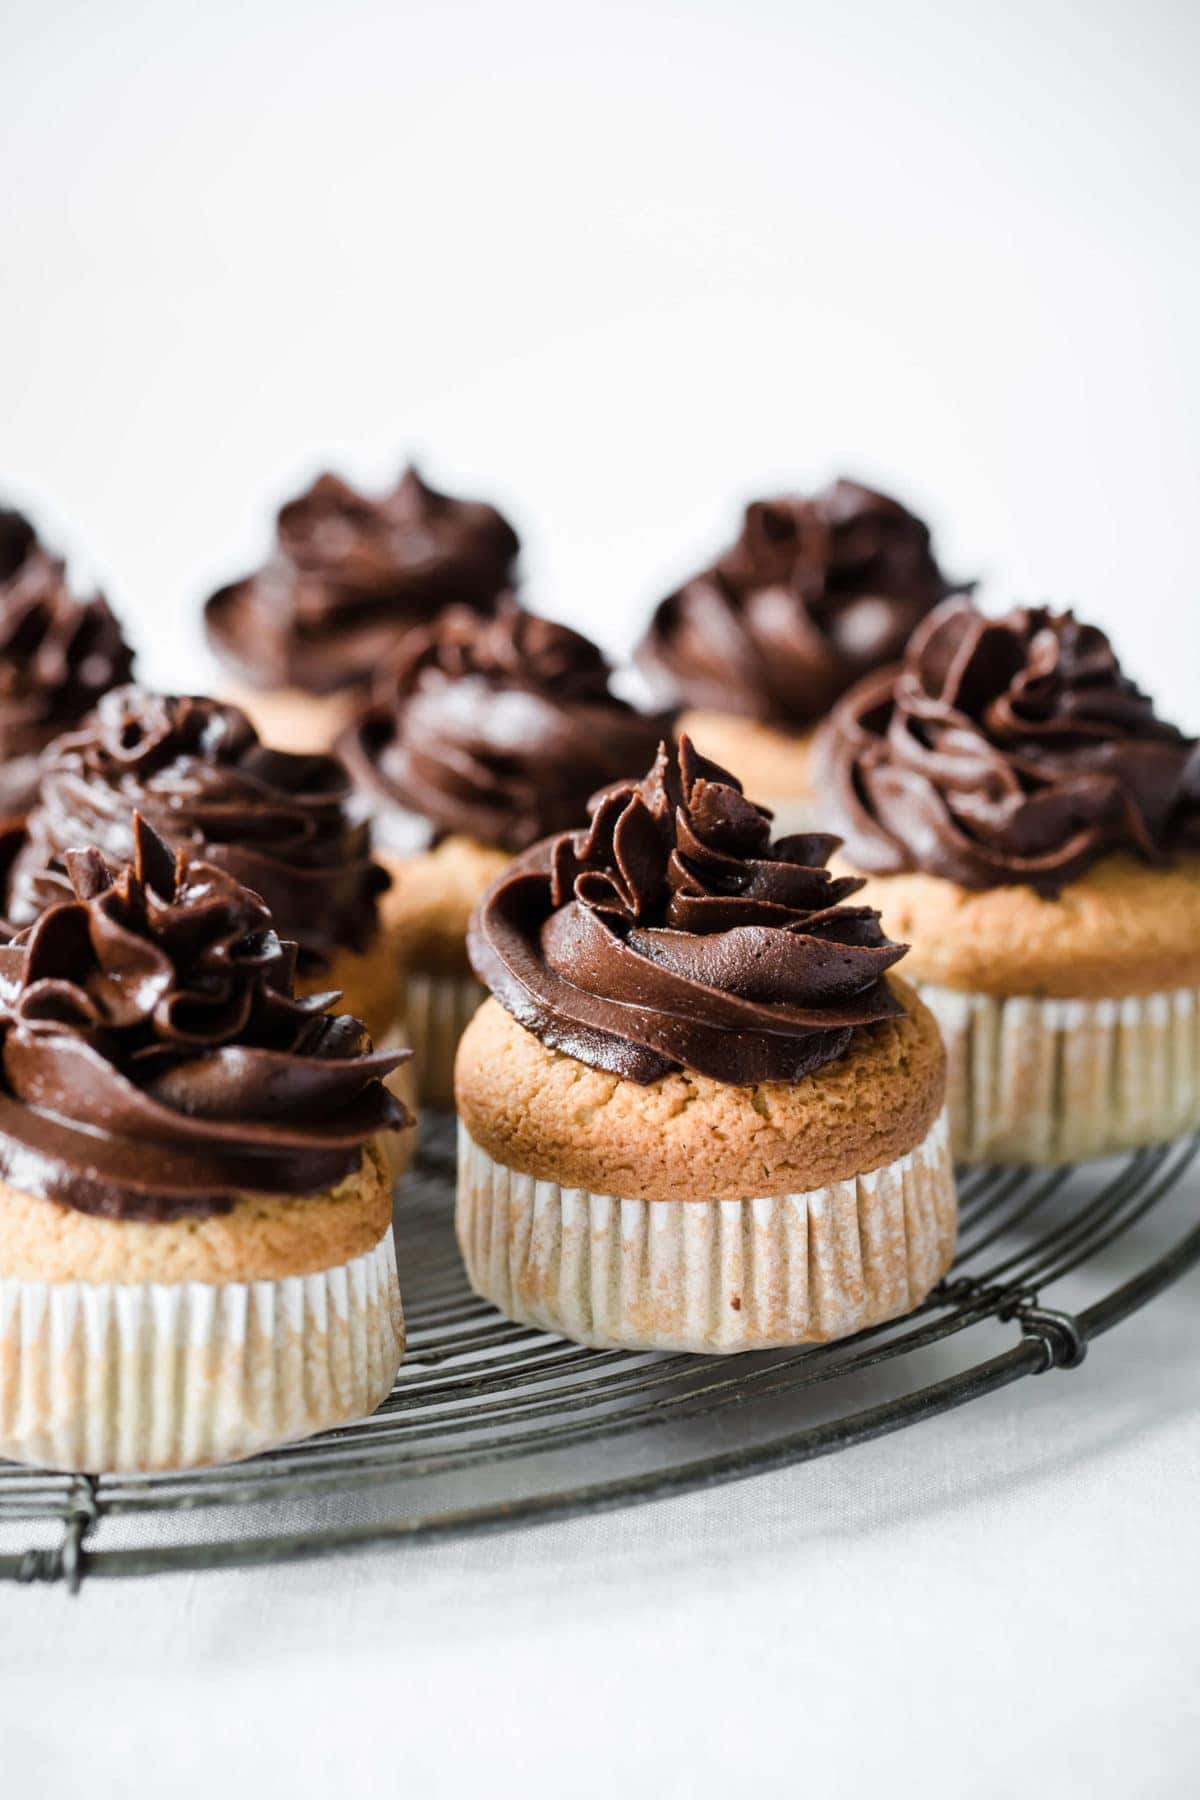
(493, 1424)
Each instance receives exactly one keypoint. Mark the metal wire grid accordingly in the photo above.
(477, 1392)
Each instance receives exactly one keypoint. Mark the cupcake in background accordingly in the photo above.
(58, 654)
(698, 1114)
(349, 574)
(285, 825)
(814, 593)
(1032, 829)
(196, 1258)
(483, 736)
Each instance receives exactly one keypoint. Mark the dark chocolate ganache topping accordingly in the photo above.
(674, 933)
(498, 728)
(285, 825)
(1005, 750)
(350, 573)
(815, 592)
(58, 654)
(154, 1059)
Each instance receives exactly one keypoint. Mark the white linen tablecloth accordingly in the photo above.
(1002, 1600)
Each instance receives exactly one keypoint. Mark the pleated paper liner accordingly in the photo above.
(719, 1275)
(108, 1377)
(1054, 1081)
(439, 1008)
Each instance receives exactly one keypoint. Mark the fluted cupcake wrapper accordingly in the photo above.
(110, 1377)
(719, 1275)
(1053, 1081)
(439, 1008)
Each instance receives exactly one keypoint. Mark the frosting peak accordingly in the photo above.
(58, 654)
(156, 1061)
(350, 572)
(815, 592)
(498, 728)
(1005, 750)
(283, 825)
(675, 933)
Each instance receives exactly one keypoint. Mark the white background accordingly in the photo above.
(619, 267)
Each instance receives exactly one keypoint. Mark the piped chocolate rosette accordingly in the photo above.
(497, 729)
(283, 825)
(674, 933)
(1006, 750)
(155, 1060)
(349, 573)
(58, 654)
(814, 593)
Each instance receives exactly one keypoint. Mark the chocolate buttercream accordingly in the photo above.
(155, 1059)
(815, 592)
(284, 825)
(497, 728)
(350, 573)
(58, 654)
(674, 933)
(1005, 750)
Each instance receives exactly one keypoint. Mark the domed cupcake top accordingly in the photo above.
(154, 1060)
(1005, 750)
(349, 573)
(499, 729)
(282, 824)
(674, 933)
(58, 654)
(815, 592)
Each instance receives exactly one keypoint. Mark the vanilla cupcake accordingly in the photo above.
(350, 573)
(58, 654)
(697, 1113)
(285, 825)
(196, 1259)
(483, 735)
(1032, 829)
(814, 593)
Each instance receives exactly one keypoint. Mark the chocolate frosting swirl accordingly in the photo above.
(814, 593)
(497, 728)
(673, 933)
(1005, 750)
(58, 654)
(281, 824)
(155, 1060)
(350, 573)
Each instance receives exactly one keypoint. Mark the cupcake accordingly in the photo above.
(196, 1259)
(814, 593)
(1032, 829)
(483, 736)
(58, 654)
(285, 825)
(697, 1114)
(349, 574)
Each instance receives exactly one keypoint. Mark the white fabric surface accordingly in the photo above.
(1001, 1601)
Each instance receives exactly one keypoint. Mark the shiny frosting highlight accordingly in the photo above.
(155, 1061)
(58, 654)
(498, 728)
(284, 825)
(673, 933)
(815, 592)
(350, 573)
(1005, 750)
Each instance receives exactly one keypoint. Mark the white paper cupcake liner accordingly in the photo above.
(105, 1377)
(1052, 1081)
(719, 1275)
(440, 1007)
